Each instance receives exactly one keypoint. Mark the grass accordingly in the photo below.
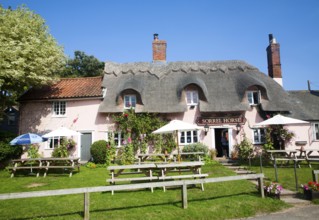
(226, 200)
(286, 173)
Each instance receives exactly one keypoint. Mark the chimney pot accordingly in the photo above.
(270, 38)
(155, 36)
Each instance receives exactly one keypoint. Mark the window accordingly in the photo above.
(129, 101)
(259, 135)
(11, 119)
(104, 92)
(59, 108)
(192, 97)
(119, 139)
(253, 97)
(52, 143)
(188, 137)
(316, 131)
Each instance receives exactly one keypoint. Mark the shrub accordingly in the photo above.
(60, 152)
(197, 147)
(245, 148)
(98, 151)
(8, 152)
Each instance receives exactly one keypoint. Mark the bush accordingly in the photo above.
(98, 151)
(245, 149)
(8, 152)
(197, 147)
(60, 152)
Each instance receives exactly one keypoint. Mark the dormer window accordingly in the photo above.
(129, 101)
(192, 97)
(253, 97)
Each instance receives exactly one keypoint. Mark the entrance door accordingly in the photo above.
(219, 132)
(86, 141)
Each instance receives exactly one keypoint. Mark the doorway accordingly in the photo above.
(219, 133)
(86, 141)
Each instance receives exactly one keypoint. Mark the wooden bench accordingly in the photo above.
(44, 164)
(146, 169)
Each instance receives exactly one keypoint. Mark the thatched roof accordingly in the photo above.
(223, 84)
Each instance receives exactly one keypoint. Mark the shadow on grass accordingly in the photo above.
(176, 204)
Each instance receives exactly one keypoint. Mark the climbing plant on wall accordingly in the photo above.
(137, 129)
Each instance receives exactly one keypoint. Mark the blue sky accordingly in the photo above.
(195, 30)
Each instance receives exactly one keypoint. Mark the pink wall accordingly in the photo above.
(81, 116)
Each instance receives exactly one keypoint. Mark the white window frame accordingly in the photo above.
(58, 107)
(131, 101)
(251, 96)
(118, 139)
(315, 127)
(188, 137)
(192, 97)
(257, 132)
(50, 144)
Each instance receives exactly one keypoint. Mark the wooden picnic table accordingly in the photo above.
(194, 167)
(45, 164)
(306, 154)
(161, 172)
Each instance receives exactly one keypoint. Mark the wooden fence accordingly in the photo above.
(315, 174)
(86, 191)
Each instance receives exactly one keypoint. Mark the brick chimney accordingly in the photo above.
(273, 57)
(159, 49)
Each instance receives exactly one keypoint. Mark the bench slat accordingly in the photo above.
(182, 176)
(132, 179)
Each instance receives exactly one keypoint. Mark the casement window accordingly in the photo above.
(59, 108)
(188, 137)
(11, 119)
(129, 101)
(316, 131)
(253, 97)
(52, 143)
(192, 97)
(259, 135)
(119, 139)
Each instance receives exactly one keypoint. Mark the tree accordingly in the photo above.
(83, 66)
(29, 55)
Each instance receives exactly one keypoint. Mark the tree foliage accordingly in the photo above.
(83, 66)
(29, 55)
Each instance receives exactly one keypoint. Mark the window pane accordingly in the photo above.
(195, 97)
(256, 97)
(189, 136)
(317, 131)
(189, 97)
(182, 138)
(250, 98)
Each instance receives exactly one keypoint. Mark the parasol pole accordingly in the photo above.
(179, 155)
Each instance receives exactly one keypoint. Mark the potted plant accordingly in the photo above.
(311, 190)
(272, 189)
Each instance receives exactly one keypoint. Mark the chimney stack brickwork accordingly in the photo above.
(159, 49)
(273, 57)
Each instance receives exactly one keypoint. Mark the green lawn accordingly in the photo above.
(225, 200)
(286, 173)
